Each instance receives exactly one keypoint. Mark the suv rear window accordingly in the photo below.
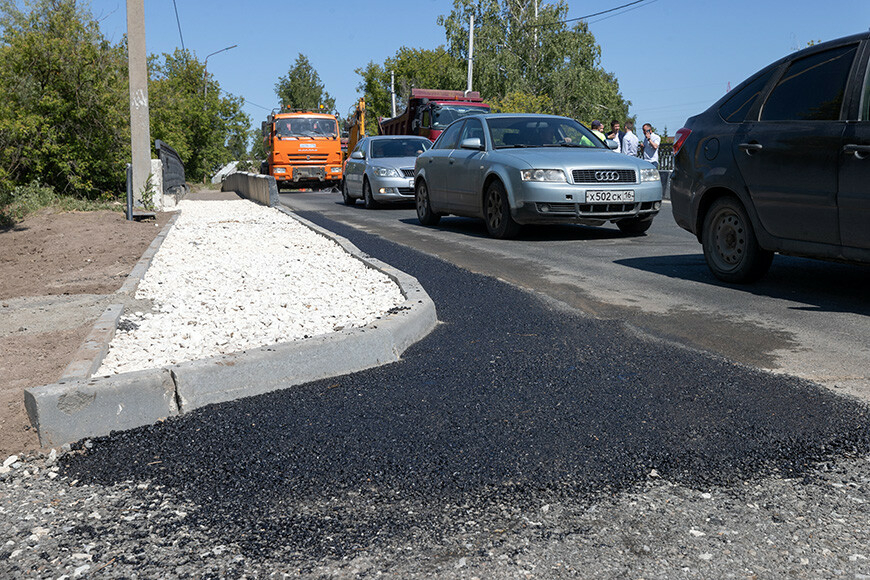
(812, 88)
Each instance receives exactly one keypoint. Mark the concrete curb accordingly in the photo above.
(90, 355)
(76, 409)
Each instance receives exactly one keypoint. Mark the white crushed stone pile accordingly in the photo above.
(234, 275)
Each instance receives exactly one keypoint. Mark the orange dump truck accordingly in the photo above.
(303, 149)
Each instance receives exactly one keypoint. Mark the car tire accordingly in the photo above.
(497, 213)
(370, 202)
(345, 194)
(424, 206)
(635, 226)
(730, 246)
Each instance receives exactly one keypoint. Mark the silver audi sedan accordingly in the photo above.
(381, 169)
(515, 169)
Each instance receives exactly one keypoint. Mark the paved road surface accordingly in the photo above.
(807, 318)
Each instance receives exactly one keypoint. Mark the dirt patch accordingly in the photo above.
(56, 272)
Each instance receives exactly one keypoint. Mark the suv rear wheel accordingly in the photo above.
(730, 246)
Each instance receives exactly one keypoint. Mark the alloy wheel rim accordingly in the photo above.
(494, 207)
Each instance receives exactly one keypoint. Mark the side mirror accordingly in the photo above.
(471, 143)
(611, 144)
(357, 155)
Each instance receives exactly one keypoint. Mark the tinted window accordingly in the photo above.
(448, 138)
(865, 98)
(410, 147)
(734, 110)
(812, 88)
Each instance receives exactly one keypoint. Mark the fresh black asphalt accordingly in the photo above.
(509, 403)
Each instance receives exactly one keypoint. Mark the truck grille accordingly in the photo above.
(307, 158)
(604, 176)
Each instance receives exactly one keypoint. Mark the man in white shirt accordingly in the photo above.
(629, 140)
(651, 143)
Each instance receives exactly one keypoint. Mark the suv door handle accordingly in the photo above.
(860, 151)
(750, 148)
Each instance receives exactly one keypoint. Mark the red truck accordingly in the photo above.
(430, 111)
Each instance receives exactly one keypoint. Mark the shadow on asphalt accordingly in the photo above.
(820, 286)
(532, 233)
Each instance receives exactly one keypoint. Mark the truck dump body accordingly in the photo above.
(430, 111)
(303, 150)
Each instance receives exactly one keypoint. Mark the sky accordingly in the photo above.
(672, 58)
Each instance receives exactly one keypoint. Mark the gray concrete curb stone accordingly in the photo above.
(75, 409)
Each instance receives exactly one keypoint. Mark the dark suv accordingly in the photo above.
(781, 164)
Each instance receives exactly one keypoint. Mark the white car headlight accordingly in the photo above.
(543, 175)
(649, 175)
(280, 170)
(385, 172)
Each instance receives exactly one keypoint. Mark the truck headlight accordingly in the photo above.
(280, 170)
(335, 170)
(556, 175)
(649, 175)
(385, 172)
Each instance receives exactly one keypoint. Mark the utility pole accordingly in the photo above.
(393, 90)
(205, 90)
(140, 130)
(470, 50)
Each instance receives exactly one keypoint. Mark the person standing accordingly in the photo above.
(629, 140)
(596, 128)
(616, 134)
(651, 143)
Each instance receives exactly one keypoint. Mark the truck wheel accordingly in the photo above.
(730, 246)
(345, 194)
(499, 222)
(370, 202)
(424, 207)
(634, 226)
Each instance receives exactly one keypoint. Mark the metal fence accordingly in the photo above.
(173, 168)
(666, 156)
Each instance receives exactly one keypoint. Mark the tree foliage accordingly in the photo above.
(302, 88)
(206, 127)
(412, 68)
(517, 53)
(63, 100)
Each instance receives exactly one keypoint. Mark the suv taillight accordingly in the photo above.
(682, 135)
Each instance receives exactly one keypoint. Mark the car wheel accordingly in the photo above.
(634, 226)
(730, 246)
(345, 194)
(499, 222)
(367, 195)
(424, 208)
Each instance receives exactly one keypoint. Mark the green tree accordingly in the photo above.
(413, 68)
(517, 52)
(207, 127)
(64, 117)
(302, 88)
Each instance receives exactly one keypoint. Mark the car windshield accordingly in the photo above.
(306, 127)
(398, 147)
(508, 132)
(443, 115)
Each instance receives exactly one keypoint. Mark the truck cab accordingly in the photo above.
(303, 150)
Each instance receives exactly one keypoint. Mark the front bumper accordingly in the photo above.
(392, 189)
(307, 174)
(544, 203)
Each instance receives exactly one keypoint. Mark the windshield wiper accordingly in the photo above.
(517, 146)
(563, 144)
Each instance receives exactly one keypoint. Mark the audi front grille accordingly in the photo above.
(604, 176)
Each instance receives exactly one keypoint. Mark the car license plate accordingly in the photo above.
(617, 196)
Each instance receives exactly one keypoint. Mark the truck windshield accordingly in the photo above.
(305, 127)
(446, 114)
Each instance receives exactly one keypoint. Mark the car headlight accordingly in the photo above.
(649, 175)
(385, 172)
(543, 175)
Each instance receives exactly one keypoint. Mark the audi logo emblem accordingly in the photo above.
(607, 175)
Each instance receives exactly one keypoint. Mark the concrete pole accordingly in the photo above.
(470, 49)
(140, 130)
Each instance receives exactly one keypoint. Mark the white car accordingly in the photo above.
(381, 169)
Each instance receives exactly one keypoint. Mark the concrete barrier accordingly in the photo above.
(75, 409)
(260, 188)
